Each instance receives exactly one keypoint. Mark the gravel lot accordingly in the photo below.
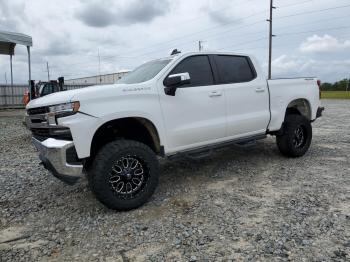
(239, 204)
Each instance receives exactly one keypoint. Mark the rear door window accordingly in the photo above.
(234, 69)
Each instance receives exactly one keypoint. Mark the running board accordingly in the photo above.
(206, 151)
(246, 144)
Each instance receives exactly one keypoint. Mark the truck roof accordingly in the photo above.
(182, 54)
(209, 53)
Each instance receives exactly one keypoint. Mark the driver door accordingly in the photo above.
(195, 116)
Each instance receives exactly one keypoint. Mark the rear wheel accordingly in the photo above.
(296, 137)
(124, 174)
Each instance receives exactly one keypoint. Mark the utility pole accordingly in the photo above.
(200, 47)
(48, 71)
(347, 85)
(13, 97)
(99, 64)
(5, 78)
(270, 37)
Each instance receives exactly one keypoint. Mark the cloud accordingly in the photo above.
(96, 14)
(67, 34)
(296, 66)
(222, 17)
(323, 44)
(284, 63)
(9, 18)
(59, 46)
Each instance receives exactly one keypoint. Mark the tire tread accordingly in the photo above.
(284, 143)
(97, 172)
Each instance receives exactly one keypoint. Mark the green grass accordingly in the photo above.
(335, 95)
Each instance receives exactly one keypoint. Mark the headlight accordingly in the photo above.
(67, 107)
(61, 110)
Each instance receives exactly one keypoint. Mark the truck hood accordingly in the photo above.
(70, 95)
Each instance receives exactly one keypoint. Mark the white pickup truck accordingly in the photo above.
(186, 104)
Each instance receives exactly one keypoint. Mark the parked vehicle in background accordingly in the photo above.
(186, 104)
(45, 88)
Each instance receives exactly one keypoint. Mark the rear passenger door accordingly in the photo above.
(247, 97)
(196, 115)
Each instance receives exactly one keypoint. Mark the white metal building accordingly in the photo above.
(97, 80)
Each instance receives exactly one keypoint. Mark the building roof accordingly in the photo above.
(85, 77)
(8, 41)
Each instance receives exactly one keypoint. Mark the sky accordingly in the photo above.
(82, 38)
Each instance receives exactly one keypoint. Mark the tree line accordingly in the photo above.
(337, 86)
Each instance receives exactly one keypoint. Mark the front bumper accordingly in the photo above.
(53, 154)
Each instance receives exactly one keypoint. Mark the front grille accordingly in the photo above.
(38, 110)
(40, 138)
(37, 122)
(44, 132)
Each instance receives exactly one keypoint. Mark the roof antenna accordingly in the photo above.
(175, 52)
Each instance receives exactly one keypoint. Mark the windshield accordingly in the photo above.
(144, 72)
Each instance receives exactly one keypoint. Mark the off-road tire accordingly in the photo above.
(109, 160)
(294, 127)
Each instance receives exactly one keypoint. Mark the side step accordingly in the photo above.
(246, 144)
(203, 152)
(199, 154)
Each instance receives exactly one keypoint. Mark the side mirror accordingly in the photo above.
(172, 82)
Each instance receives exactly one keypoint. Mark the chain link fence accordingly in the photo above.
(12, 96)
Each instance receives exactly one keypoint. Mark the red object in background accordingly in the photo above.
(26, 98)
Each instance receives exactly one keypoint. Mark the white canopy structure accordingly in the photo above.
(8, 42)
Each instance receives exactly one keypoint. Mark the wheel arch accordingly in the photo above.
(135, 128)
(299, 106)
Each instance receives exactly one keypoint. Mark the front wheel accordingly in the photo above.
(124, 174)
(296, 137)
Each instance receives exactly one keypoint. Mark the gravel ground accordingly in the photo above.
(239, 204)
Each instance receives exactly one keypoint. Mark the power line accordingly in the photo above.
(216, 11)
(318, 30)
(314, 11)
(219, 26)
(156, 51)
(243, 43)
(213, 12)
(284, 27)
(238, 44)
(295, 4)
(314, 22)
(209, 29)
(187, 35)
(199, 32)
(213, 28)
(106, 58)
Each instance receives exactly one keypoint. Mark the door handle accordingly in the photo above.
(260, 89)
(215, 93)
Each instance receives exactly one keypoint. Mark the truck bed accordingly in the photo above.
(284, 90)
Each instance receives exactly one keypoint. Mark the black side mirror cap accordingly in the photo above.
(172, 82)
(170, 90)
